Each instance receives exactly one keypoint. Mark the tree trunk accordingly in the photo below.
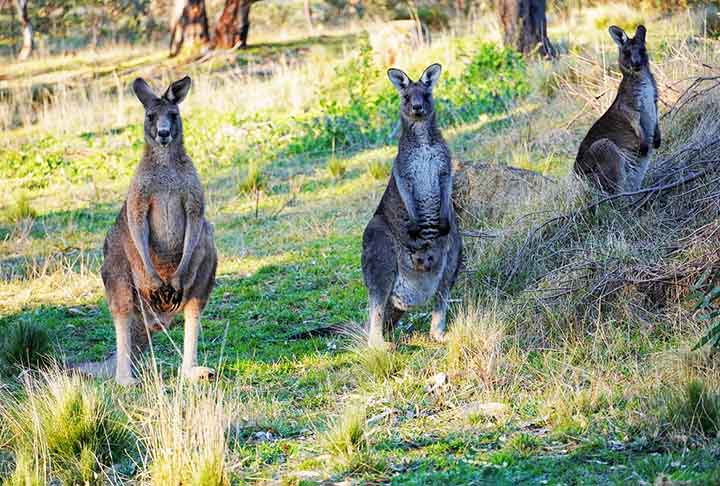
(189, 23)
(524, 26)
(22, 13)
(308, 14)
(227, 32)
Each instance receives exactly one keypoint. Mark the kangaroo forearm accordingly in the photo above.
(406, 198)
(192, 236)
(139, 234)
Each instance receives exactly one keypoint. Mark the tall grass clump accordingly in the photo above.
(346, 439)
(379, 170)
(253, 181)
(378, 362)
(691, 409)
(475, 344)
(25, 345)
(64, 429)
(336, 167)
(183, 429)
(20, 210)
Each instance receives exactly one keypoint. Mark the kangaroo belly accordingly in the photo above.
(167, 229)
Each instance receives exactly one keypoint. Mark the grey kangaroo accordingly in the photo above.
(159, 257)
(615, 153)
(412, 246)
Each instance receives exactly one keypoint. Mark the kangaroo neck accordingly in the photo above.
(418, 131)
(631, 78)
(174, 153)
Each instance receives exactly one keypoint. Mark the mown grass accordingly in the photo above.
(523, 392)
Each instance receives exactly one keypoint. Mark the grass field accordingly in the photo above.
(294, 141)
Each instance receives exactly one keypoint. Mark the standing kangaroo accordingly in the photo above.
(616, 151)
(159, 256)
(412, 247)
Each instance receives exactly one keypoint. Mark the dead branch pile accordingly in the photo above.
(644, 249)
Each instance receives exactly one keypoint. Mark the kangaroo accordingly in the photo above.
(412, 247)
(615, 153)
(159, 256)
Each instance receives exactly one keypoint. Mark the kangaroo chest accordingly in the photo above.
(423, 168)
(166, 218)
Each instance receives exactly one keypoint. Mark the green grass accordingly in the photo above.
(537, 391)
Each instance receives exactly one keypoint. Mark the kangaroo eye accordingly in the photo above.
(173, 116)
(152, 117)
(426, 96)
(406, 98)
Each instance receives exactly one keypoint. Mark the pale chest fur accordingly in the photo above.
(422, 168)
(640, 104)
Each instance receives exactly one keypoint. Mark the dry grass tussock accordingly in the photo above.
(578, 251)
(183, 429)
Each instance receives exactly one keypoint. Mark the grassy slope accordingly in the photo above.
(296, 267)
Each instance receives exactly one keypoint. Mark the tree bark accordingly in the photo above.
(308, 14)
(27, 30)
(524, 26)
(227, 32)
(189, 23)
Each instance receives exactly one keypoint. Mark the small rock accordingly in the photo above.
(438, 382)
(263, 436)
(486, 409)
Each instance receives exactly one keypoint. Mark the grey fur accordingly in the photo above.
(615, 153)
(159, 256)
(412, 247)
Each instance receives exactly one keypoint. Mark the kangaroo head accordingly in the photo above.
(416, 98)
(633, 55)
(162, 116)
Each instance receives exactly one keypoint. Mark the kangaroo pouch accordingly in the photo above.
(413, 288)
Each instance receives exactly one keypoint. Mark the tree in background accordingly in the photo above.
(189, 23)
(27, 30)
(524, 26)
(228, 33)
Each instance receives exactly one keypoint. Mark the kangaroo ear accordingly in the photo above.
(143, 92)
(618, 35)
(178, 90)
(431, 75)
(398, 78)
(640, 33)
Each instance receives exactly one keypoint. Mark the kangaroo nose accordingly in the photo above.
(417, 108)
(164, 133)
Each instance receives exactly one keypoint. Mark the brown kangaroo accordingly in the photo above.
(615, 153)
(159, 256)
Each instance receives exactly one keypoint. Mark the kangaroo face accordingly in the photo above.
(162, 115)
(416, 98)
(633, 55)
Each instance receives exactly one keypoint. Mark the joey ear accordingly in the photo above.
(178, 90)
(640, 33)
(431, 75)
(618, 35)
(398, 78)
(143, 92)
